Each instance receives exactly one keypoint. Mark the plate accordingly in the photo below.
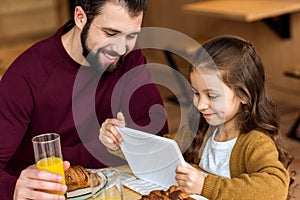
(198, 197)
(85, 193)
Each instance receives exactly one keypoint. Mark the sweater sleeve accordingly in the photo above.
(16, 103)
(256, 174)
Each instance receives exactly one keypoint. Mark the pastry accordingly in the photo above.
(77, 177)
(173, 193)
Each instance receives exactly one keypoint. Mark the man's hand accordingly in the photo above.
(32, 184)
(109, 135)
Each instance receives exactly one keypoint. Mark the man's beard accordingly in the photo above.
(93, 57)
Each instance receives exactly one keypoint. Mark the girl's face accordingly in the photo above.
(215, 100)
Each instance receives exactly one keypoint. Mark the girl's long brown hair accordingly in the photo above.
(241, 70)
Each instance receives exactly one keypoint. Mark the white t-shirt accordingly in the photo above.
(216, 156)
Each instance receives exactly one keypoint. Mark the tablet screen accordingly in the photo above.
(151, 157)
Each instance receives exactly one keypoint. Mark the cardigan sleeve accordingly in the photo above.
(256, 173)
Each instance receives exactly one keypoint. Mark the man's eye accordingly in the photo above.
(110, 34)
(131, 37)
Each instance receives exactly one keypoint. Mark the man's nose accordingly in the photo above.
(120, 45)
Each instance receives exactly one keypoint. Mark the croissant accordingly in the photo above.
(173, 193)
(77, 177)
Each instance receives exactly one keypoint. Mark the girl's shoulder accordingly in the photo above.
(254, 137)
(255, 134)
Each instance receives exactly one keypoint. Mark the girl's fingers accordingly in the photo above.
(180, 177)
(182, 169)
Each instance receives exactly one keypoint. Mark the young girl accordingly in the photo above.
(236, 143)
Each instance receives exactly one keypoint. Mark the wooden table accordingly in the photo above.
(276, 13)
(243, 10)
(128, 194)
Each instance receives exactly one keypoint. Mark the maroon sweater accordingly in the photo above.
(38, 94)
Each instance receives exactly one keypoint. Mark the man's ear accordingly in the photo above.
(79, 17)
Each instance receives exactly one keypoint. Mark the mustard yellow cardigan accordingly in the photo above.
(256, 172)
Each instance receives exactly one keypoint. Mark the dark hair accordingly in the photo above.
(93, 8)
(241, 69)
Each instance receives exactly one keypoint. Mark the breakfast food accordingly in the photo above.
(77, 177)
(173, 193)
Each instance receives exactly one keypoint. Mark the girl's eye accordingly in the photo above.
(195, 92)
(212, 96)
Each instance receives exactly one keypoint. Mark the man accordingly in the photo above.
(47, 90)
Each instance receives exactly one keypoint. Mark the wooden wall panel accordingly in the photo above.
(24, 18)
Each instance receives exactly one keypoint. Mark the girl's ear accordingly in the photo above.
(79, 17)
(243, 102)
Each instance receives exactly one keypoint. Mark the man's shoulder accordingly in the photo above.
(36, 63)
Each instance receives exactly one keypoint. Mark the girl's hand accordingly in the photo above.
(32, 182)
(189, 179)
(109, 135)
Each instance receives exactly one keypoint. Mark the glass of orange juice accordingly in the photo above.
(48, 156)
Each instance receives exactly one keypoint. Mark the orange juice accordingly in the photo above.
(54, 165)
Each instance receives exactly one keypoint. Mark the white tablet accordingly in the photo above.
(152, 158)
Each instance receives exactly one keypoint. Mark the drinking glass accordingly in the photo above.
(48, 156)
(110, 185)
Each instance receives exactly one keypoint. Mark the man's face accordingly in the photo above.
(111, 36)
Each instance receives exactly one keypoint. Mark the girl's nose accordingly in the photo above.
(203, 104)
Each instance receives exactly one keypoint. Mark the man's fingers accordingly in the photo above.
(31, 173)
(66, 165)
(121, 118)
(46, 185)
(35, 194)
(115, 135)
(33, 184)
(108, 140)
(113, 122)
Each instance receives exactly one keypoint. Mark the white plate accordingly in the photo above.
(85, 193)
(198, 197)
